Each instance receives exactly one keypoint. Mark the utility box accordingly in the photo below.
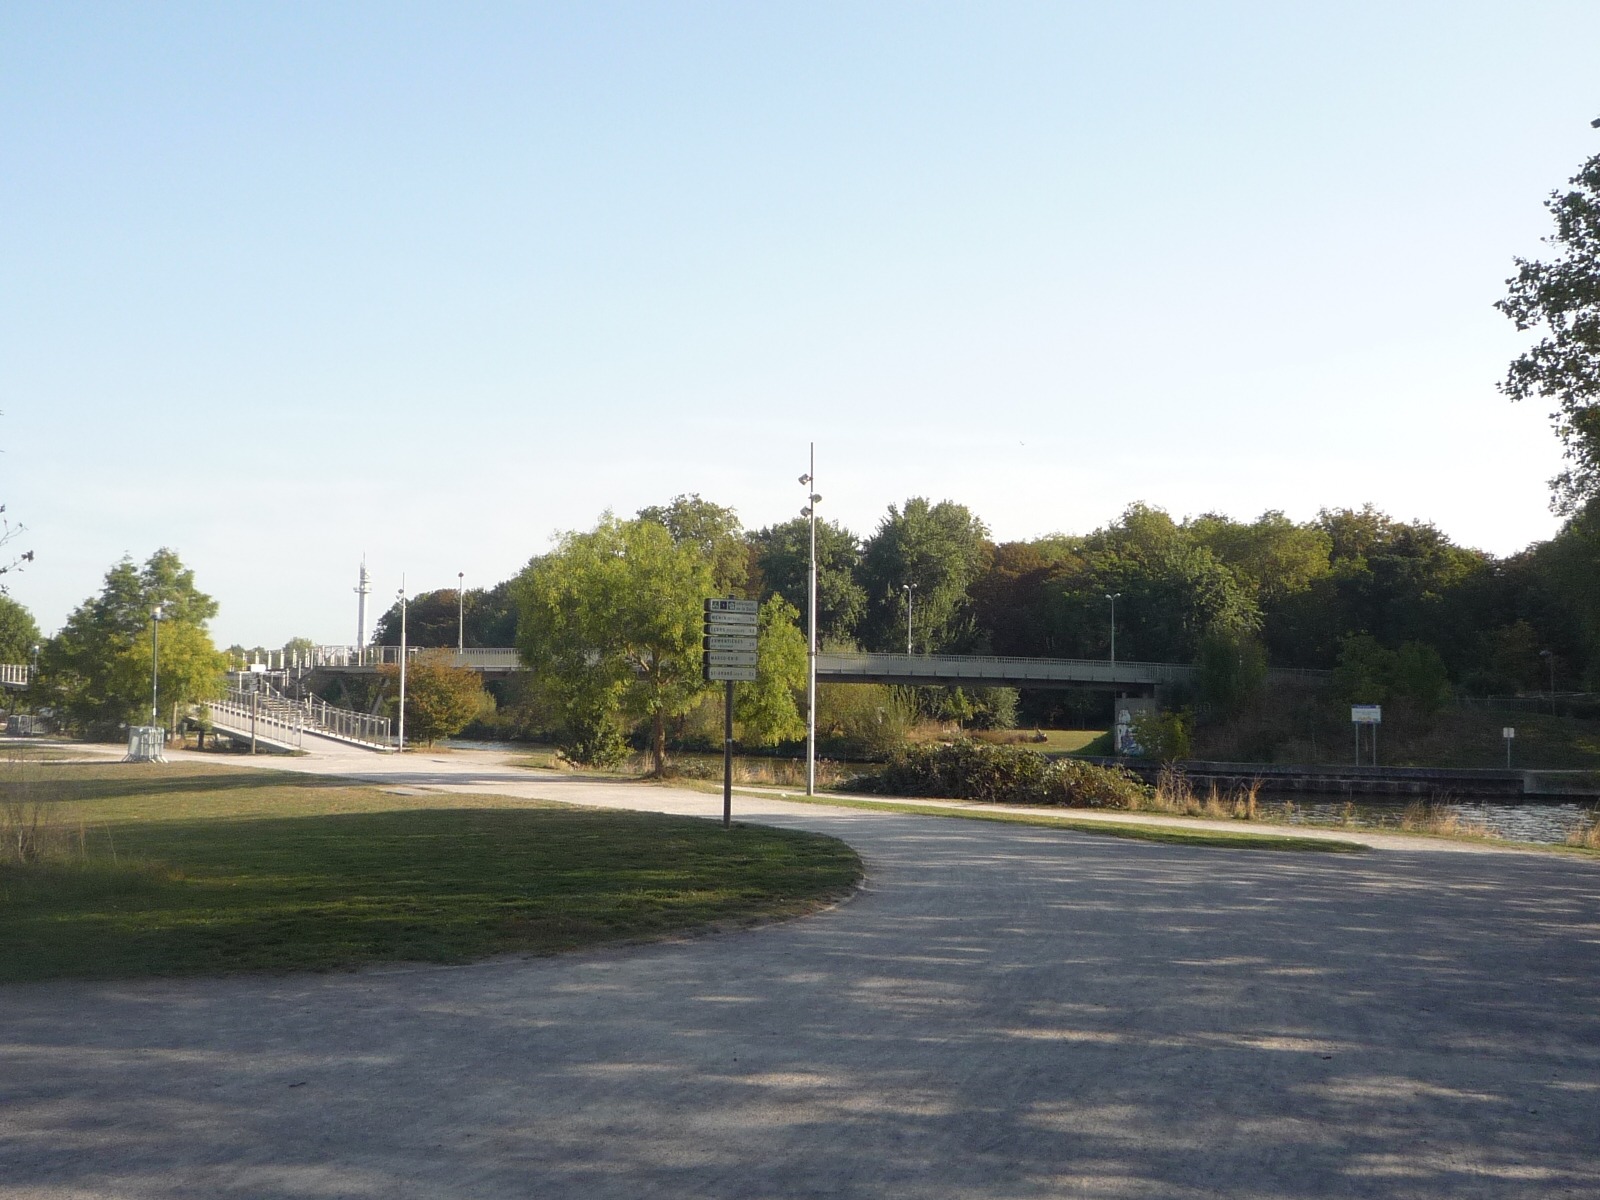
(146, 743)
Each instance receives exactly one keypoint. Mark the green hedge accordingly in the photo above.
(1003, 775)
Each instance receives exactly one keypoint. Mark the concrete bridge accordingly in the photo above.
(921, 670)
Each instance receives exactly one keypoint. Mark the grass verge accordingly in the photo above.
(143, 869)
(1167, 834)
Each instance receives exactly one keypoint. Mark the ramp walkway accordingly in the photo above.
(268, 717)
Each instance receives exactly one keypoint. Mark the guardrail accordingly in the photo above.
(994, 669)
(242, 714)
(263, 712)
(348, 726)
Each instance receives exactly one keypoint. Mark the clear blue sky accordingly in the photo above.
(281, 284)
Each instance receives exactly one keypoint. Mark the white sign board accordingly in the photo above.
(750, 607)
(1508, 733)
(720, 674)
(728, 641)
(731, 658)
(1367, 714)
(724, 619)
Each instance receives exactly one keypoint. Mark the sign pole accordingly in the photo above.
(729, 651)
(727, 756)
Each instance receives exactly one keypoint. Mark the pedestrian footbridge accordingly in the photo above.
(918, 670)
(262, 716)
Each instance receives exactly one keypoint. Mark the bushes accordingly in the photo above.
(1004, 775)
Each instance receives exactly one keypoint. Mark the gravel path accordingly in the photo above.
(1004, 1011)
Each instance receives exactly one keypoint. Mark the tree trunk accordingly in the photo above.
(658, 743)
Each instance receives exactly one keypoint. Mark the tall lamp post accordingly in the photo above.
(1550, 661)
(809, 482)
(909, 589)
(402, 595)
(461, 614)
(155, 663)
(1112, 596)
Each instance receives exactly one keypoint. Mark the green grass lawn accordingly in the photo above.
(183, 869)
(1056, 741)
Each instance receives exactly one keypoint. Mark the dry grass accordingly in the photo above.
(755, 772)
(1176, 793)
(1434, 816)
(1587, 835)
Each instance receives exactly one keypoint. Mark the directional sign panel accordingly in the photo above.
(727, 641)
(716, 674)
(722, 619)
(733, 606)
(731, 658)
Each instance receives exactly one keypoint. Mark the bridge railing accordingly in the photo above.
(481, 658)
(347, 725)
(1019, 671)
(15, 674)
(241, 713)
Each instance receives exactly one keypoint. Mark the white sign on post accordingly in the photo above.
(723, 620)
(1508, 733)
(1367, 714)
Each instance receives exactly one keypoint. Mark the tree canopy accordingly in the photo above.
(611, 627)
(1561, 297)
(97, 669)
(19, 634)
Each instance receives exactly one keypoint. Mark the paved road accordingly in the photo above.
(1005, 1011)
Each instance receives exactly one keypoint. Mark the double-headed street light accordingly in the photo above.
(402, 596)
(155, 664)
(809, 482)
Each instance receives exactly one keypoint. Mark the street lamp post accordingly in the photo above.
(1550, 661)
(155, 664)
(909, 589)
(1112, 596)
(809, 482)
(402, 663)
(461, 614)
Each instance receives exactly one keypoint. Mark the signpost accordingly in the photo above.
(729, 655)
(1508, 733)
(1366, 714)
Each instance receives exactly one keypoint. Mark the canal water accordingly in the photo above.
(1540, 821)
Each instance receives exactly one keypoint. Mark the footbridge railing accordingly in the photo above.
(264, 713)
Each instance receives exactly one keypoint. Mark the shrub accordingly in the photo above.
(1004, 775)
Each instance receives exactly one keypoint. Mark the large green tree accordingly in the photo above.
(783, 557)
(19, 634)
(712, 528)
(1562, 298)
(97, 669)
(940, 550)
(437, 618)
(1171, 592)
(611, 626)
(440, 696)
(768, 710)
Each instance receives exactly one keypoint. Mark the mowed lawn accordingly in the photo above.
(174, 869)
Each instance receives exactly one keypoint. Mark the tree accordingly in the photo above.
(783, 557)
(610, 624)
(766, 710)
(1171, 592)
(714, 529)
(441, 698)
(940, 549)
(1563, 297)
(18, 632)
(97, 669)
